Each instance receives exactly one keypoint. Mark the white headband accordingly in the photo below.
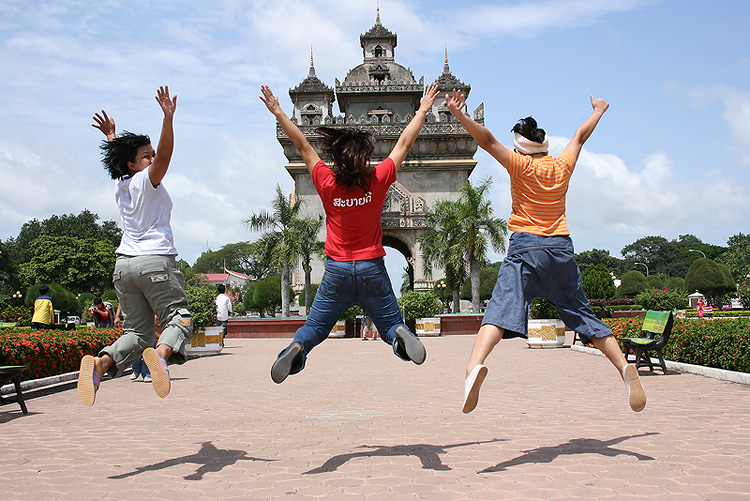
(528, 147)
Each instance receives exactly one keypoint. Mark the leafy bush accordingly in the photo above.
(597, 282)
(487, 279)
(313, 290)
(202, 304)
(21, 315)
(352, 313)
(420, 305)
(724, 344)
(541, 308)
(62, 299)
(267, 294)
(662, 300)
(48, 353)
(632, 283)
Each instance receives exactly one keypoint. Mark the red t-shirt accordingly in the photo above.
(353, 231)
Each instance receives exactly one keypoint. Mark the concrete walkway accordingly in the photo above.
(358, 423)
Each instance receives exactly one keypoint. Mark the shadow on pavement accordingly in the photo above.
(208, 457)
(574, 446)
(429, 455)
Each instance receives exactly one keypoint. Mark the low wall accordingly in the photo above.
(460, 324)
(264, 327)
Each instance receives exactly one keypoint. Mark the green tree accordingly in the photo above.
(9, 282)
(420, 305)
(712, 279)
(597, 282)
(632, 283)
(601, 257)
(76, 264)
(244, 257)
(305, 243)
(472, 230)
(278, 239)
(442, 248)
(83, 226)
(62, 299)
(655, 281)
(267, 295)
(487, 280)
(202, 304)
(737, 256)
(676, 283)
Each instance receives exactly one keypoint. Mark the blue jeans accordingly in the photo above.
(223, 324)
(140, 367)
(344, 284)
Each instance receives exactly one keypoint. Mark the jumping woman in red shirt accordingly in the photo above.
(353, 193)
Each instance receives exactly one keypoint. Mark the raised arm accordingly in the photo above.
(480, 133)
(158, 168)
(105, 124)
(411, 131)
(584, 131)
(309, 155)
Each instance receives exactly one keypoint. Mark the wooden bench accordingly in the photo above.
(12, 373)
(657, 326)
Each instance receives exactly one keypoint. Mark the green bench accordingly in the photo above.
(657, 326)
(12, 373)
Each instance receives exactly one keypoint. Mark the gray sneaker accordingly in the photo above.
(410, 345)
(284, 362)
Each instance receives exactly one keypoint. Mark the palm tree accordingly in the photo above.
(439, 247)
(279, 239)
(305, 244)
(465, 230)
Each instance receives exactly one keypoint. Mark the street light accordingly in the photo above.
(17, 297)
(442, 287)
(645, 266)
(696, 250)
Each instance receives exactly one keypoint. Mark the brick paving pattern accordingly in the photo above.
(358, 423)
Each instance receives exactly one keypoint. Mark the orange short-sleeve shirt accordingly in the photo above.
(538, 187)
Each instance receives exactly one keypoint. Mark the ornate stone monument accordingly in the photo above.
(381, 96)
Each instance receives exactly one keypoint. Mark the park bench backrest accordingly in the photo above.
(658, 323)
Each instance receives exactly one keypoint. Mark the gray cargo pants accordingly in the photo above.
(148, 286)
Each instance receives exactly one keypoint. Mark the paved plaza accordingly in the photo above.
(358, 423)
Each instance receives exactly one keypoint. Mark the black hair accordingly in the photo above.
(43, 289)
(350, 151)
(221, 288)
(118, 152)
(98, 300)
(527, 127)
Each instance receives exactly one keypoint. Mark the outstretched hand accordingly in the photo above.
(599, 104)
(270, 99)
(105, 124)
(167, 105)
(429, 98)
(456, 102)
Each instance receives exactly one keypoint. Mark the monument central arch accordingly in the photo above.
(381, 96)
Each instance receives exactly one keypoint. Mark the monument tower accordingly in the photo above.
(381, 96)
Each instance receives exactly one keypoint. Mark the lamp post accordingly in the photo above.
(645, 266)
(17, 297)
(442, 287)
(696, 250)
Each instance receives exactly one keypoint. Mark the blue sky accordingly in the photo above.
(670, 157)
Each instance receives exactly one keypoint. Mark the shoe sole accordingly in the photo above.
(283, 365)
(86, 386)
(472, 397)
(159, 377)
(636, 394)
(414, 348)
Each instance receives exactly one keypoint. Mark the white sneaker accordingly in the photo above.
(147, 378)
(636, 394)
(135, 376)
(471, 387)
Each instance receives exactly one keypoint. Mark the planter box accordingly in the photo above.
(205, 343)
(264, 327)
(546, 333)
(339, 330)
(460, 324)
(428, 326)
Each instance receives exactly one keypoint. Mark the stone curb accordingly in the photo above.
(10, 389)
(724, 375)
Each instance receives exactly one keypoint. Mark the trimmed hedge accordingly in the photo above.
(720, 343)
(52, 352)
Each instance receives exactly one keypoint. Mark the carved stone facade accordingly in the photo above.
(381, 96)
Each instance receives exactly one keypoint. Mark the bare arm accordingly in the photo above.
(158, 168)
(105, 124)
(309, 155)
(409, 135)
(585, 130)
(480, 133)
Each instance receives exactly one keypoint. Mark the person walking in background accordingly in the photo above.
(223, 309)
(146, 277)
(44, 311)
(352, 193)
(540, 259)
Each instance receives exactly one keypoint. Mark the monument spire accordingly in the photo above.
(312, 64)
